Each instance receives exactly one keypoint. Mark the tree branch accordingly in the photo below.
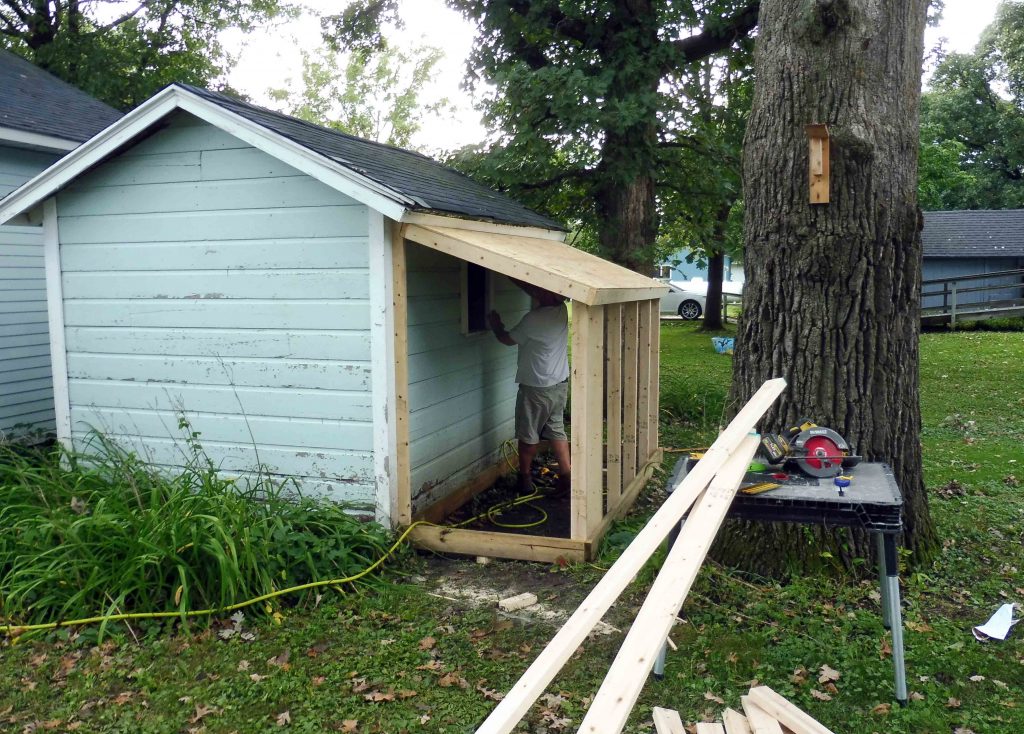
(127, 16)
(579, 174)
(711, 40)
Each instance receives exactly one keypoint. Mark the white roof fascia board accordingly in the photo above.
(88, 154)
(36, 141)
(333, 174)
(474, 225)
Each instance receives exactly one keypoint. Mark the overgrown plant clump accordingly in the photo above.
(101, 532)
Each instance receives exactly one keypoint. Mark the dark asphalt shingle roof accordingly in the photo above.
(974, 233)
(435, 187)
(35, 101)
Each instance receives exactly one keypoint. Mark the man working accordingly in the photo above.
(542, 336)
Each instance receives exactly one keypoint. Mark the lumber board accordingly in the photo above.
(587, 446)
(629, 671)
(735, 722)
(535, 679)
(630, 455)
(653, 403)
(706, 728)
(400, 300)
(501, 545)
(759, 720)
(667, 721)
(613, 410)
(799, 721)
(643, 379)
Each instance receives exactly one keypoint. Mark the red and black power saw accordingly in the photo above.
(815, 450)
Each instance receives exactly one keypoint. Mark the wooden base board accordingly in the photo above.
(498, 545)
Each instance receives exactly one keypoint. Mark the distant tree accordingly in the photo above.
(832, 297)
(122, 51)
(972, 122)
(580, 96)
(376, 96)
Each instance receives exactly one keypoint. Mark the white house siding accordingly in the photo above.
(26, 387)
(461, 387)
(207, 280)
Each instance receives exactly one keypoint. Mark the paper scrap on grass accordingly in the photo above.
(998, 626)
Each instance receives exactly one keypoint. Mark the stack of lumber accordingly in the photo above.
(704, 496)
(766, 713)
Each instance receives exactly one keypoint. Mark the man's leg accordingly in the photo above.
(561, 450)
(526, 453)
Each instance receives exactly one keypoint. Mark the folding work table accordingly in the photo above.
(872, 502)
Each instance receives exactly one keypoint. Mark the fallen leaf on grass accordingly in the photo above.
(490, 693)
(406, 693)
(708, 695)
(256, 677)
(452, 679)
(820, 696)
(885, 650)
(349, 725)
(799, 676)
(963, 730)
(882, 708)
(828, 674)
(319, 680)
(378, 696)
(202, 712)
(243, 665)
(425, 718)
(281, 661)
(916, 696)
(976, 678)
(1000, 683)
(953, 703)
(427, 643)
(283, 719)
(432, 665)
(918, 626)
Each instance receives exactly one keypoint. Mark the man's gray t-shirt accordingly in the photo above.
(543, 338)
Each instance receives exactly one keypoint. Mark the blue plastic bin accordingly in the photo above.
(724, 344)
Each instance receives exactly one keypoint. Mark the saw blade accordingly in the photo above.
(822, 457)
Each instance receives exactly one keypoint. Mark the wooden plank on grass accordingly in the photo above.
(667, 721)
(735, 722)
(532, 683)
(799, 721)
(632, 665)
(759, 720)
(705, 728)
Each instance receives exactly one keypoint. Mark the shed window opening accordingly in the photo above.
(476, 298)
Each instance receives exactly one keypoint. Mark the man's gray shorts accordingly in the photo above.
(539, 413)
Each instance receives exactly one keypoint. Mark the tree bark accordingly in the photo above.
(713, 300)
(831, 300)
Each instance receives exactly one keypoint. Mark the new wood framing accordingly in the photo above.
(536, 678)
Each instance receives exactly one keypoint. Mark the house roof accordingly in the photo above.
(431, 186)
(974, 233)
(38, 103)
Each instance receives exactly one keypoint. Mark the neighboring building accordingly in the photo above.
(315, 303)
(973, 242)
(676, 268)
(41, 119)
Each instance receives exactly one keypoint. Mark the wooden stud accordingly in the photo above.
(629, 671)
(793, 718)
(667, 721)
(587, 445)
(500, 545)
(629, 495)
(735, 722)
(643, 379)
(655, 358)
(629, 391)
(399, 295)
(818, 163)
(706, 728)
(535, 679)
(759, 720)
(613, 411)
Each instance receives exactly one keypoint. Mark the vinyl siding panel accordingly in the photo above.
(951, 267)
(461, 387)
(204, 280)
(26, 392)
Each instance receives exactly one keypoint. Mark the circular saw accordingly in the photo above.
(815, 450)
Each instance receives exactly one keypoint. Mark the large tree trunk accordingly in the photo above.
(832, 294)
(713, 300)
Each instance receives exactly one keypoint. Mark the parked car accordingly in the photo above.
(688, 298)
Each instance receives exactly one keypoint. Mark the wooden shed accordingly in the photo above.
(41, 119)
(310, 303)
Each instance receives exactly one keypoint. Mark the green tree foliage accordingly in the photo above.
(583, 99)
(124, 51)
(375, 96)
(972, 122)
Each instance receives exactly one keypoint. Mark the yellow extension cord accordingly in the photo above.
(18, 629)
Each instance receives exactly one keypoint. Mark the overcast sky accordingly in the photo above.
(269, 59)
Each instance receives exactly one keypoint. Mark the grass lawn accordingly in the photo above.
(412, 654)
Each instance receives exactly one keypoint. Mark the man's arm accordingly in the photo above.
(494, 319)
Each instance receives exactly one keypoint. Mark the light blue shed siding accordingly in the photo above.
(26, 387)
(203, 278)
(951, 267)
(461, 388)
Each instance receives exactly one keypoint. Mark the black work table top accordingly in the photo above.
(872, 501)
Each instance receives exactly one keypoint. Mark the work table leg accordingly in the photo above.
(891, 605)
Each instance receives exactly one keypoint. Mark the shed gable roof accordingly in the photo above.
(35, 101)
(974, 233)
(431, 186)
